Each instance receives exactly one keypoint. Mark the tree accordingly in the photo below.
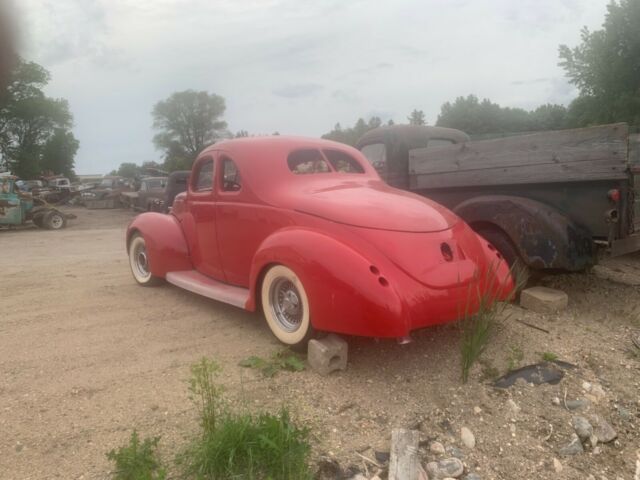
(416, 118)
(128, 170)
(351, 135)
(187, 122)
(605, 68)
(473, 116)
(58, 153)
(34, 129)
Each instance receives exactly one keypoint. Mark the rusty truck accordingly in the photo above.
(551, 200)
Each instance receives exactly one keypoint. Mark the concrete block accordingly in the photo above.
(328, 354)
(543, 299)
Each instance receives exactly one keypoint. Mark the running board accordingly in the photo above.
(196, 282)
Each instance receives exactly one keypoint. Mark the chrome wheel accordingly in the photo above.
(141, 262)
(56, 222)
(286, 304)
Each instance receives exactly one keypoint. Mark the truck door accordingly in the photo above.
(10, 211)
(200, 221)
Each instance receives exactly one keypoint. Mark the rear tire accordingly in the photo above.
(54, 220)
(286, 307)
(139, 262)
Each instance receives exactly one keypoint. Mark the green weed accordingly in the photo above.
(515, 357)
(476, 329)
(549, 356)
(281, 360)
(137, 461)
(241, 446)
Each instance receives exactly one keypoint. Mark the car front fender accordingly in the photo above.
(165, 242)
(345, 290)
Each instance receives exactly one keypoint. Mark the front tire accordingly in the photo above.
(139, 262)
(286, 306)
(54, 220)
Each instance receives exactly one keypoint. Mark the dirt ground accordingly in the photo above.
(86, 355)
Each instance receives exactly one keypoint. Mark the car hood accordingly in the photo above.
(375, 205)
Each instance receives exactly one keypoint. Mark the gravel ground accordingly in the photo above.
(86, 355)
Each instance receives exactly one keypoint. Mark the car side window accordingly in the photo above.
(343, 162)
(304, 162)
(203, 180)
(231, 181)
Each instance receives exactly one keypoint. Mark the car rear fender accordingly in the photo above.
(347, 291)
(165, 242)
(543, 236)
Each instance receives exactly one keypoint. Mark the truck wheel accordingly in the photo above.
(286, 307)
(139, 262)
(520, 270)
(54, 220)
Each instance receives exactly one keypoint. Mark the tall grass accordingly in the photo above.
(137, 460)
(241, 446)
(478, 324)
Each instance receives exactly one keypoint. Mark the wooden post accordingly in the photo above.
(404, 463)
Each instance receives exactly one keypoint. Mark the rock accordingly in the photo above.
(603, 430)
(597, 391)
(582, 427)
(573, 448)
(477, 410)
(578, 404)
(454, 452)
(557, 465)
(327, 354)
(472, 476)
(513, 406)
(436, 448)
(543, 299)
(467, 437)
(624, 413)
(382, 457)
(555, 401)
(586, 386)
(450, 467)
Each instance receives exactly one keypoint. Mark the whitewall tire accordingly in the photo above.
(139, 262)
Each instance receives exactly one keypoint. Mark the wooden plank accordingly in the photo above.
(404, 463)
(598, 146)
(566, 172)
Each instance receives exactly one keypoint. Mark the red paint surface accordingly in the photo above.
(369, 256)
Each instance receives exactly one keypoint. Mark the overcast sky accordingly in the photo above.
(292, 66)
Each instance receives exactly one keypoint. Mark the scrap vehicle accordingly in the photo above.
(550, 200)
(149, 197)
(107, 194)
(176, 184)
(18, 207)
(305, 230)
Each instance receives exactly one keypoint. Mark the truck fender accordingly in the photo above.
(165, 242)
(543, 236)
(345, 297)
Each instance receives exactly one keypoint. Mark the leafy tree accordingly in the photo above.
(351, 135)
(187, 122)
(473, 116)
(58, 153)
(416, 118)
(606, 69)
(241, 134)
(128, 170)
(34, 129)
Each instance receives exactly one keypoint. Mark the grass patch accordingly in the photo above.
(137, 460)
(515, 357)
(281, 360)
(241, 446)
(477, 328)
(549, 357)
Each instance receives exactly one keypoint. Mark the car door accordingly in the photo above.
(200, 222)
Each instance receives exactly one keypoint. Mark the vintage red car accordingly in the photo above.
(305, 230)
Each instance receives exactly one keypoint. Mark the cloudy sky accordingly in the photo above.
(293, 66)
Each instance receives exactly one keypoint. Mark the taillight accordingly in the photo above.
(614, 195)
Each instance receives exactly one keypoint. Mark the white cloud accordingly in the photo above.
(295, 66)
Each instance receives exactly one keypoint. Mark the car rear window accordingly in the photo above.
(343, 162)
(305, 162)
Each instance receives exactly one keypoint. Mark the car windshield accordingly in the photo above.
(305, 162)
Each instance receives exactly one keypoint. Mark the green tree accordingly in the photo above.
(351, 135)
(58, 153)
(187, 122)
(34, 129)
(128, 170)
(473, 116)
(416, 118)
(606, 69)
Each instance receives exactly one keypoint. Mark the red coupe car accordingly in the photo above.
(305, 230)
